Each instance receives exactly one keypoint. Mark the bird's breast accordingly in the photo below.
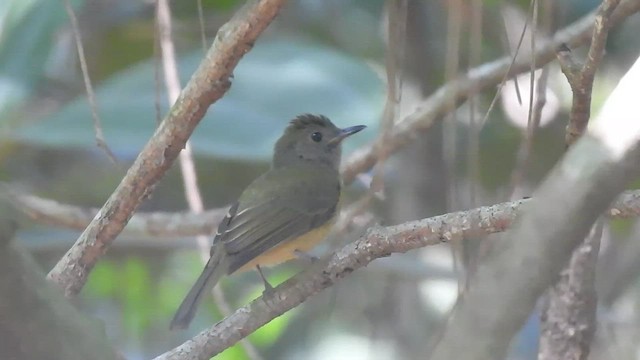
(286, 251)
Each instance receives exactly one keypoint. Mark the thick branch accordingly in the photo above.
(559, 217)
(36, 321)
(378, 242)
(208, 84)
(568, 320)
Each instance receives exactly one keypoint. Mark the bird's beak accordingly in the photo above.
(344, 133)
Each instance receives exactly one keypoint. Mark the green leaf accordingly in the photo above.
(235, 352)
(103, 281)
(274, 82)
(269, 333)
(136, 295)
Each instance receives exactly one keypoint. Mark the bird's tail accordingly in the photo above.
(216, 267)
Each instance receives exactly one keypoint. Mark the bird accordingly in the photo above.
(283, 213)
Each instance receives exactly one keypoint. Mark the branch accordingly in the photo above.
(166, 224)
(36, 321)
(484, 76)
(184, 224)
(568, 319)
(581, 77)
(208, 84)
(187, 165)
(557, 220)
(378, 242)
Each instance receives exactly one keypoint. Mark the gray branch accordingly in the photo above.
(378, 242)
(568, 319)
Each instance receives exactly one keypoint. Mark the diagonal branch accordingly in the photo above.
(378, 242)
(209, 83)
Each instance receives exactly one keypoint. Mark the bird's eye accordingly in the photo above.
(316, 136)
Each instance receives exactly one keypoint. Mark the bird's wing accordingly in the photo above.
(252, 229)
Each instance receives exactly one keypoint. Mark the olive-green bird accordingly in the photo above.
(286, 211)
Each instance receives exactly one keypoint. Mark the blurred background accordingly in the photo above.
(319, 56)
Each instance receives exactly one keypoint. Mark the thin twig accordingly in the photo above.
(203, 35)
(475, 56)
(91, 96)
(394, 57)
(532, 70)
(209, 83)
(513, 56)
(467, 253)
(524, 152)
(537, 101)
(450, 129)
(155, 224)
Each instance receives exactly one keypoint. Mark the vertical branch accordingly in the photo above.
(569, 315)
(532, 70)
(455, 13)
(187, 165)
(475, 53)
(203, 35)
(396, 35)
(458, 249)
(538, 99)
(394, 56)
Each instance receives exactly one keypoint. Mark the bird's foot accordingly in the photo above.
(268, 289)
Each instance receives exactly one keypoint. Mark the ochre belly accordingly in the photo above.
(285, 251)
